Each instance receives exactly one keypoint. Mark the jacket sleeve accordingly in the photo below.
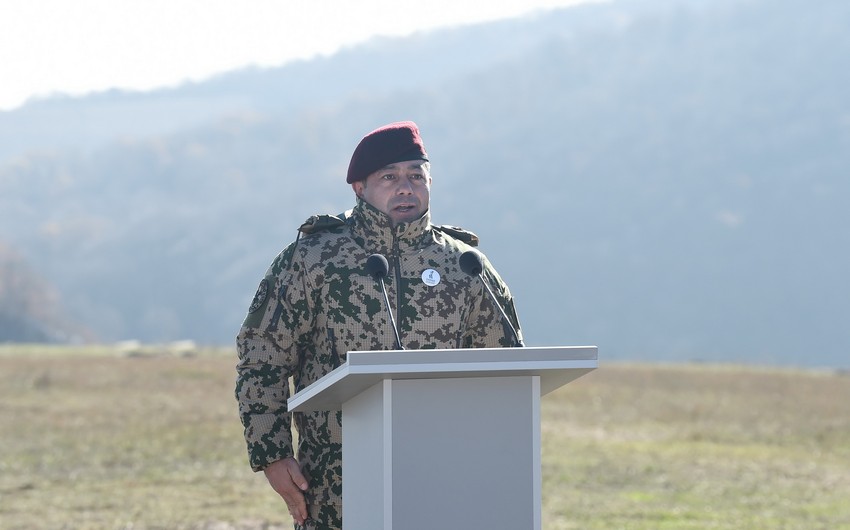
(485, 328)
(268, 348)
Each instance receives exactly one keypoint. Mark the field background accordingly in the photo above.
(91, 438)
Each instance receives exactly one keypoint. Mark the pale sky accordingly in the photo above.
(78, 46)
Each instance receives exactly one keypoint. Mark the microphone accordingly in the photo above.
(378, 268)
(471, 263)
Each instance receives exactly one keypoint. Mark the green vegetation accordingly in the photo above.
(153, 441)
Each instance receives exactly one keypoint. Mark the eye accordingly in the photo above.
(388, 176)
(417, 176)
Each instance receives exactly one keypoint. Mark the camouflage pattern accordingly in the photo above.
(322, 517)
(316, 303)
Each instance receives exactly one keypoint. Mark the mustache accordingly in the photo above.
(412, 201)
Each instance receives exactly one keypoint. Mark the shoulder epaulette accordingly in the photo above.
(318, 223)
(314, 224)
(459, 233)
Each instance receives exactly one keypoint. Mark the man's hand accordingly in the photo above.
(287, 480)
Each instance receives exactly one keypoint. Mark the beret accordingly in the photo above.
(395, 142)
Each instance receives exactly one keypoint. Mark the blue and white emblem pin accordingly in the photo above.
(430, 277)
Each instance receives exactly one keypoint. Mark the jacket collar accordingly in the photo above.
(373, 229)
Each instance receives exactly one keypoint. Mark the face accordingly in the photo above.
(401, 190)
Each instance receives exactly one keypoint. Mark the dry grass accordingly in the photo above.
(679, 447)
(153, 441)
(125, 442)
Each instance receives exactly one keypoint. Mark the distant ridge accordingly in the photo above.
(65, 122)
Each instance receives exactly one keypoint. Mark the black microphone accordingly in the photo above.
(378, 268)
(472, 264)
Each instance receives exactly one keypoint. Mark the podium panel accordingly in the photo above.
(469, 448)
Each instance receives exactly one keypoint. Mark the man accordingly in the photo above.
(317, 302)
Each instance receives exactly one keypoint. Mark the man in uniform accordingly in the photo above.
(317, 302)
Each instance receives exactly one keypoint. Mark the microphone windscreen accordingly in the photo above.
(471, 263)
(377, 266)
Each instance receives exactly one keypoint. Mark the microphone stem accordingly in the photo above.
(517, 343)
(390, 312)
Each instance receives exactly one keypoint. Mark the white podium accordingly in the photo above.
(446, 439)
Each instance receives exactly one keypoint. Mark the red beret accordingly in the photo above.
(386, 145)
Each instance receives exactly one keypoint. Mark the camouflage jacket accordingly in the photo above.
(316, 302)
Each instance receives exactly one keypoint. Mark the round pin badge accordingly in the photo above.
(430, 277)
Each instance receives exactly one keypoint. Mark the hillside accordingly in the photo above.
(666, 183)
(30, 308)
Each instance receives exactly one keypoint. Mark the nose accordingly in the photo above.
(405, 187)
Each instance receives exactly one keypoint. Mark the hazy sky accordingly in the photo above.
(78, 46)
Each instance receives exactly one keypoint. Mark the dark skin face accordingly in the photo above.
(401, 190)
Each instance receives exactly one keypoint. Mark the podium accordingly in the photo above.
(446, 438)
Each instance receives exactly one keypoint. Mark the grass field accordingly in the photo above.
(91, 439)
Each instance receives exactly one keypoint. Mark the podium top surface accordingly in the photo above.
(556, 366)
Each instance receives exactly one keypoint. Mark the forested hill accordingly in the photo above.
(666, 180)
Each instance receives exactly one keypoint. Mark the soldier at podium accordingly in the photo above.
(317, 302)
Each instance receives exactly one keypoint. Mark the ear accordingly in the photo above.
(358, 188)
